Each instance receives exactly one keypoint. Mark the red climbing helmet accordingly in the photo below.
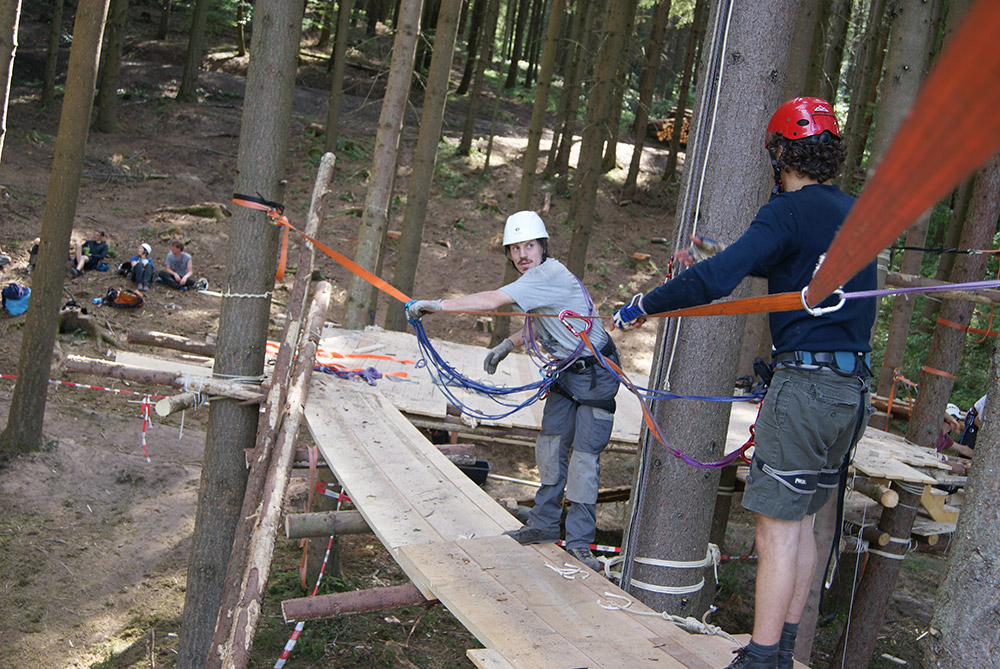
(803, 117)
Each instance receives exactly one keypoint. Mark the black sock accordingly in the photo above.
(788, 633)
(760, 652)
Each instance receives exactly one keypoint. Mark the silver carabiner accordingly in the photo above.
(819, 311)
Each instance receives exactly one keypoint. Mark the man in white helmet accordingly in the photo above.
(579, 411)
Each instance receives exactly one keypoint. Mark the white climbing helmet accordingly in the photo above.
(523, 226)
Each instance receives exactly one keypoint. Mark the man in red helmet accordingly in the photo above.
(817, 404)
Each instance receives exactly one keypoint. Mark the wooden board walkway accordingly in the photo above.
(446, 534)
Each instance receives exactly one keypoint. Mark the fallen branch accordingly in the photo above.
(171, 341)
(208, 385)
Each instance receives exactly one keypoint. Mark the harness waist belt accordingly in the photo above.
(588, 361)
(845, 361)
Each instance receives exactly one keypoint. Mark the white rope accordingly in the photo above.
(248, 295)
(666, 589)
(712, 557)
(689, 624)
(568, 571)
(888, 556)
(854, 584)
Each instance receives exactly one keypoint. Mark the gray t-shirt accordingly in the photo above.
(178, 264)
(550, 288)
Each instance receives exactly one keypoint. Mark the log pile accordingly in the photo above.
(662, 129)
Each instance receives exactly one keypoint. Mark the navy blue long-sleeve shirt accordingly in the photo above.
(784, 243)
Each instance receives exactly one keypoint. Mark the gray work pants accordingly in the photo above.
(568, 453)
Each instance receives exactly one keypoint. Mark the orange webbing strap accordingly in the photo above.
(746, 305)
(967, 328)
(937, 372)
(269, 207)
(953, 128)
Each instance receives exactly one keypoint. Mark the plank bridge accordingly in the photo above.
(447, 535)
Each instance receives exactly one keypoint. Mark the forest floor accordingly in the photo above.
(94, 539)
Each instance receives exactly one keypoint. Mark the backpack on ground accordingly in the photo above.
(126, 298)
(15, 298)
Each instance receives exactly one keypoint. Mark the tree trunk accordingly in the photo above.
(867, 71)
(10, 15)
(522, 18)
(586, 46)
(906, 63)
(52, 55)
(338, 62)
(960, 211)
(324, 31)
(945, 352)
(537, 122)
(479, 79)
(533, 47)
(107, 92)
(594, 134)
(243, 321)
(164, 28)
(646, 84)
(833, 55)
(188, 91)
(375, 218)
(964, 626)
(27, 406)
(621, 82)
(694, 37)
(424, 158)
(874, 592)
(800, 50)
(817, 50)
(472, 45)
(261, 516)
(672, 502)
(241, 33)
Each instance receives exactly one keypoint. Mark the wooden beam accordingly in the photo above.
(357, 601)
(882, 494)
(171, 341)
(987, 297)
(169, 405)
(116, 370)
(324, 524)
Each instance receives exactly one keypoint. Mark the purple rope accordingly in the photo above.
(972, 285)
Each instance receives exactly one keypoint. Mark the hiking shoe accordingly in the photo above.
(786, 659)
(586, 557)
(532, 535)
(201, 284)
(744, 660)
(4, 259)
(75, 272)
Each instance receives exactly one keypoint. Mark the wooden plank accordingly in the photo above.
(484, 658)
(487, 609)
(893, 470)
(488, 582)
(932, 500)
(387, 444)
(714, 650)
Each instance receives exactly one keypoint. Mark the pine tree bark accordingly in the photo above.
(27, 406)
(945, 352)
(243, 321)
(672, 502)
(965, 613)
(472, 45)
(515, 53)
(586, 44)
(646, 85)
(338, 61)
(800, 50)
(375, 218)
(595, 133)
(188, 90)
(107, 92)
(10, 15)
(424, 158)
(833, 56)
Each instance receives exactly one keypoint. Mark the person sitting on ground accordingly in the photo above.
(178, 273)
(33, 255)
(579, 410)
(141, 265)
(89, 254)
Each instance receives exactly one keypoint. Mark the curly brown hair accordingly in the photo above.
(819, 157)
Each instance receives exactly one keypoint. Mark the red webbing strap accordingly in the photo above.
(959, 326)
(953, 128)
(384, 286)
(746, 305)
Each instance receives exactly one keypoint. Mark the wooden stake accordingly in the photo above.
(882, 494)
(169, 405)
